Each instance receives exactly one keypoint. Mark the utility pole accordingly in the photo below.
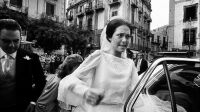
(189, 36)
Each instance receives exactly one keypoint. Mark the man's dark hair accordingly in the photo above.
(9, 24)
(113, 25)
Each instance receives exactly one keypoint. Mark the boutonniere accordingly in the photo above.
(27, 57)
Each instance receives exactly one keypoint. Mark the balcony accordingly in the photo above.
(135, 24)
(99, 6)
(70, 17)
(147, 3)
(89, 27)
(80, 14)
(155, 43)
(52, 17)
(134, 3)
(89, 10)
(149, 19)
(114, 3)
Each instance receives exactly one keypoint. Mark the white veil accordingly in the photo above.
(105, 44)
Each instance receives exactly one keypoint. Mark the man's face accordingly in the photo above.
(9, 40)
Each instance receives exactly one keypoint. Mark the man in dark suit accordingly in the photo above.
(141, 64)
(21, 76)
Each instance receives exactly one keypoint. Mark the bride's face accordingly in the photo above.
(120, 38)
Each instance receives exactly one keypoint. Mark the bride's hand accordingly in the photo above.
(94, 96)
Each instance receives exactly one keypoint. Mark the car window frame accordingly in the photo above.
(132, 98)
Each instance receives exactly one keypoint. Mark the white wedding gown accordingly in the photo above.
(117, 76)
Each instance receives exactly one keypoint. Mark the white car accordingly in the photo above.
(170, 83)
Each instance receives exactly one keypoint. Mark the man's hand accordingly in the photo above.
(31, 107)
(94, 96)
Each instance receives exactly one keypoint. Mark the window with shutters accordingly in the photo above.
(190, 13)
(50, 8)
(114, 13)
(189, 36)
(16, 3)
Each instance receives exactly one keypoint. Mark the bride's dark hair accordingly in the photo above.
(113, 25)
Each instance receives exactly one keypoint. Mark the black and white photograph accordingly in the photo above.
(99, 55)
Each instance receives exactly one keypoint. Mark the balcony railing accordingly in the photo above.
(52, 17)
(99, 6)
(155, 43)
(81, 13)
(89, 9)
(70, 17)
(134, 3)
(89, 27)
(114, 2)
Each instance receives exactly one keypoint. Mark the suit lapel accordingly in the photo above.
(21, 63)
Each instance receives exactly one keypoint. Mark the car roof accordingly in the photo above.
(175, 59)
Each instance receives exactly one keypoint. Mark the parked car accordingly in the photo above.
(171, 82)
(175, 54)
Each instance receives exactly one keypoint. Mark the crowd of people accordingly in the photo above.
(99, 83)
(50, 62)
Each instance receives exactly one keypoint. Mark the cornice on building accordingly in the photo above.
(76, 4)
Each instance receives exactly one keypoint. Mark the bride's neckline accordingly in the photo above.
(113, 56)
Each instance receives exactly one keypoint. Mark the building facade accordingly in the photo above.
(54, 9)
(35, 9)
(184, 25)
(159, 40)
(94, 15)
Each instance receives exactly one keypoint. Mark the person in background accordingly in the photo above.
(21, 76)
(47, 102)
(198, 54)
(141, 64)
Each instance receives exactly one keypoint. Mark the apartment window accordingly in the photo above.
(70, 13)
(139, 16)
(80, 24)
(17, 3)
(81, 8)
(189, 36)
(90, 24)
(114, 13)
(50, 9)
(190, 12)
(164, 40)
(90, 5)
(158, 39)
(133, 14)
(152, 38)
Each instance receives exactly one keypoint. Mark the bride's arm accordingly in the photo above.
(72, 87)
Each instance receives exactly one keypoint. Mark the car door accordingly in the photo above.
(154, 74)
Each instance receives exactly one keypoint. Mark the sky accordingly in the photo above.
(160, 13)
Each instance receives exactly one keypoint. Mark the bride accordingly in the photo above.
(104, 80)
